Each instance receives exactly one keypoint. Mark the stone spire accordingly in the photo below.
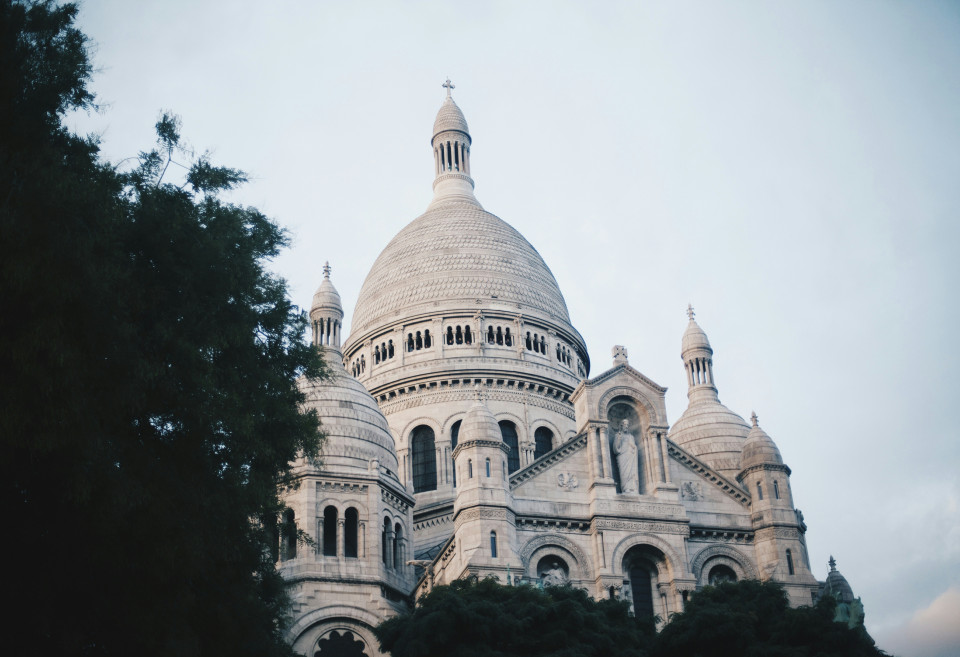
(326, 314)
(451, 153)
(698, 361)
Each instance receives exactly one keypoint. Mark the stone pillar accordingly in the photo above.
(341, 540)
(361, 539)
(391, 538)
(606, 468)
(664, 456)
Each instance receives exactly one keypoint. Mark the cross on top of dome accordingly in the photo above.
(448, 86)
(326, 269)
(690, 312)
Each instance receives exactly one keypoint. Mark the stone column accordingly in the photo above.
(391, 539)
(341, 540)
(362, 539)
(606, 468)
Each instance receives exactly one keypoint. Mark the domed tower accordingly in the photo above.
(484, 519)
(459, 298)
(779, 540)
(707, 429)
(352, 574)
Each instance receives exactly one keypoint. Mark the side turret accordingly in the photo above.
(485, 528)
(779, 532)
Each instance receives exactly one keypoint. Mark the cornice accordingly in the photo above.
(696, 465)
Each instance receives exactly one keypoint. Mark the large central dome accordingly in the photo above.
(457, 255)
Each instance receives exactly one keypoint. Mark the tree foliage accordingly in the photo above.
(752, 618)
(746, 618)
(485, 619)
(149, 405)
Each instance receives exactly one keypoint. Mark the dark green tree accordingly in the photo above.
(148, 399)
(485, 619)
(752, 618)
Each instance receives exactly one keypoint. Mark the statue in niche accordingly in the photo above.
(554, 575)
(625, 447)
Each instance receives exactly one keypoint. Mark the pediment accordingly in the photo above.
(710, 477)
(549, 461)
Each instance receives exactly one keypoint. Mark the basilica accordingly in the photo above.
(468, 435)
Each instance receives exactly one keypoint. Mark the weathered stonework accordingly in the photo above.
(489, 451)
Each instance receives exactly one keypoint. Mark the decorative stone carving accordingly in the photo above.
(692, 490)
(567, 481)
(554, 576)
(625, 447)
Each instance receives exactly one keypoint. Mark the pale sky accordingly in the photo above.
(789, 168)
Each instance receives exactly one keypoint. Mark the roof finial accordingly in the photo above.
(833, 563)
(753, 418)
(690, 312)
(449, 86)
(326, 269)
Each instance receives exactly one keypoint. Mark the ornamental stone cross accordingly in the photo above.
(448, 86)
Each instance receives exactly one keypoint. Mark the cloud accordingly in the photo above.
(931, 632)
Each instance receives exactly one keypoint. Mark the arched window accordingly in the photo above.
(499, 335)
(409, 341)
(507, 340)
(789, 562)
(363, 363)
(543, 345)
(509, 433)
(376, 355)
(419, 341)
(543, 442)
(385, 542)
(450, 334)
(330, 531)
(427, 342)
(720, 574)
(424, 459)
(466, 335)
(559, 356)
(776, 489)
(398, 546)
(390, 349)
(488, 467)
(641, 589)
(759, 491)
(289, 533)
(351, 523)
(470, 468)
(529, 342)
(536, 343)
(490, 338)
(454, 436)
(459, 335)
(493, 545)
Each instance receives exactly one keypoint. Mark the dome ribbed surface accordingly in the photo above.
(694, 338)
(448, 258)
(355, 427)
(714, 434)
(450, 118)
(327, 298)
(837, 586)
(479, 424)
(760, 449)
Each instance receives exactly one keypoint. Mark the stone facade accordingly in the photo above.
(466, 431)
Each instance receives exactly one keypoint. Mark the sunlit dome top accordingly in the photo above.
(450, 118)
(456, 256)
(759, 449)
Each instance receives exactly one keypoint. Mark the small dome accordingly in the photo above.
(326, 298)
(479, 424)
(837, 585)
(355, 428)
(450, 118)
(694, 337)
(713, 433)
(759, 448)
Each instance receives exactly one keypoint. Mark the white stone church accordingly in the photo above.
(466, 437)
